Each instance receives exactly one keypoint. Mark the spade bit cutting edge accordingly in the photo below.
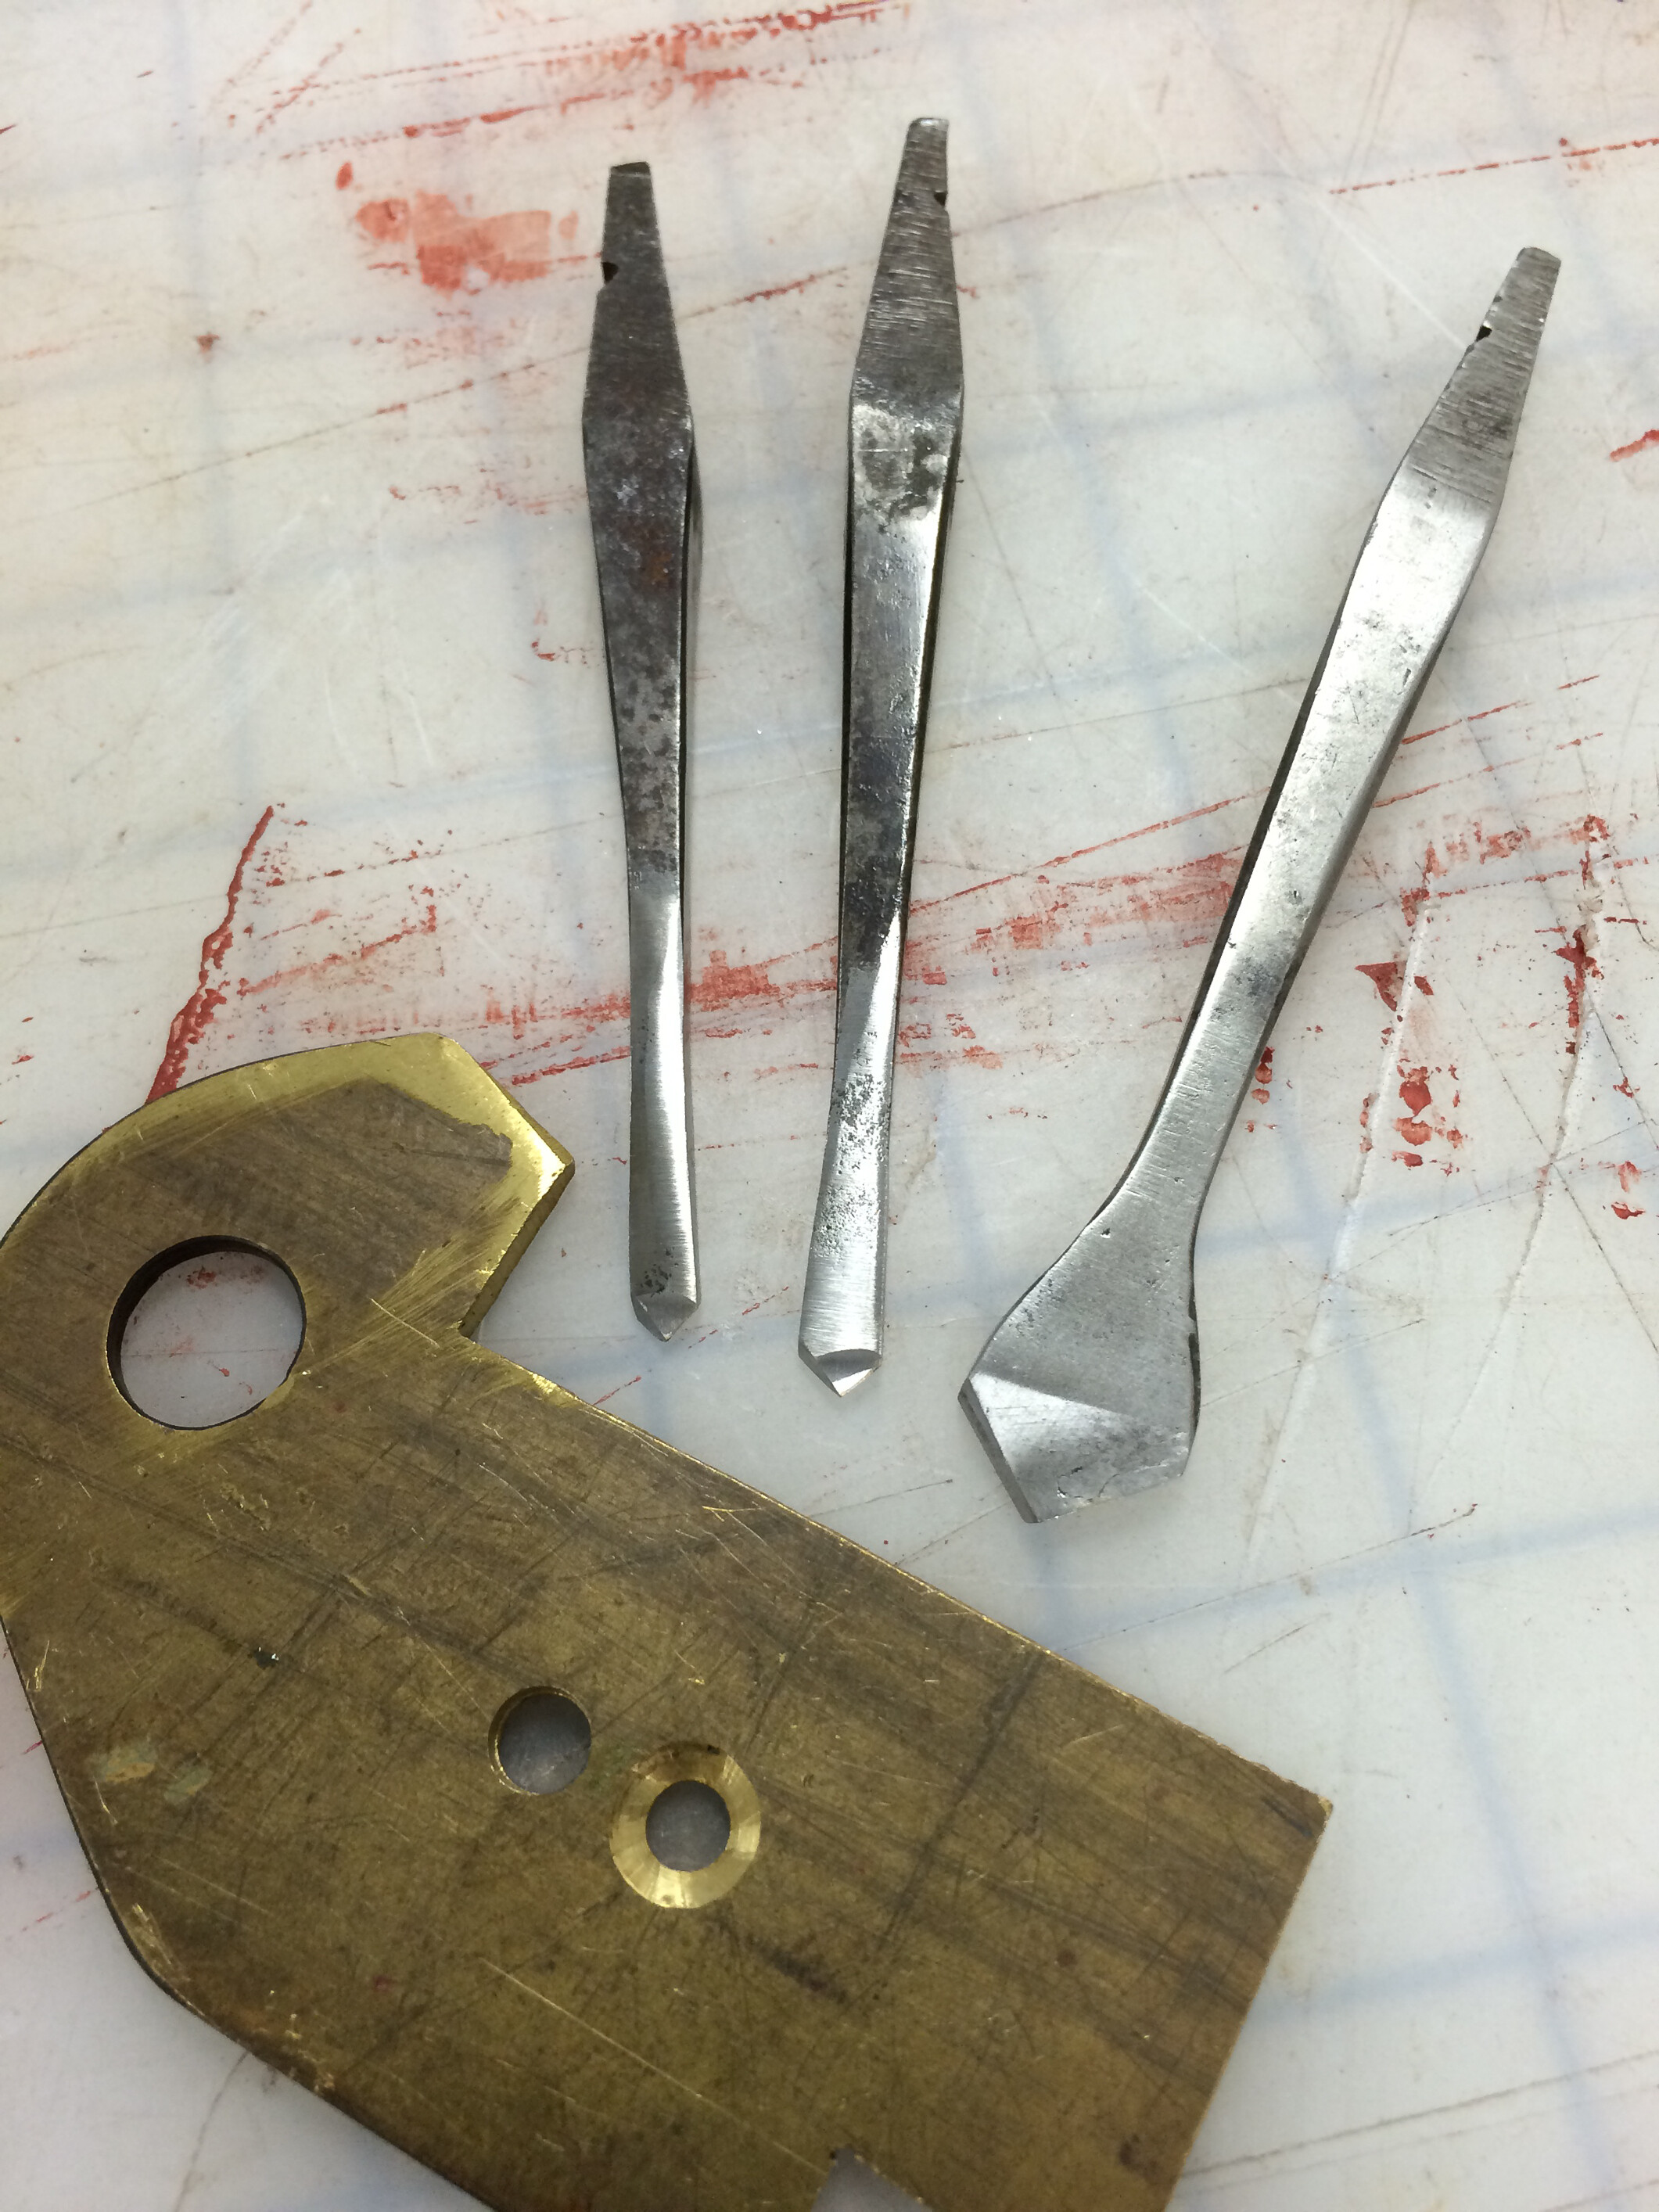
(642, 497)
(977, 1917)
(904, 434)
(1089, 1388)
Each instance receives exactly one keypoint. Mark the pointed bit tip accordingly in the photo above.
(662, 1311)
(841, 1370)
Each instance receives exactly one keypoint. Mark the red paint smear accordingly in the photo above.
(81, 1898)
(504, 249)
(1105, 845)
(731, 998)
(1581, 965)
(1628, 1212)
(342, 176)
(620, 1388)
(1463, 721)
(1564, 152)
(191, 1024)
(721, 985)
(564, 1067)
(1629, 1175)
(778, 291)
(649, 65)
(311, 970)
(1389, 977)
(1637, 445)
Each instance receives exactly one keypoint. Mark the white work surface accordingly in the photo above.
(307, 739)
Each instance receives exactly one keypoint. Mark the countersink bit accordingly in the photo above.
(904, 435)
(642, 497)
(1089, 1388)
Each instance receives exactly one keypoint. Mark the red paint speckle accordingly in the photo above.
(1581, 965)
(1389, 976)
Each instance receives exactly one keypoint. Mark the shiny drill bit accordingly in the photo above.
(642, 496)
(904, 434)
(1089, 1388)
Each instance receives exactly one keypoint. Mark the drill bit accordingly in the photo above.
(1089, 1388)
(642, 497)
(904, 435)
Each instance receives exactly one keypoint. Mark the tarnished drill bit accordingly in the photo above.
(1089, 1388)
(904, 435)
(642, 496)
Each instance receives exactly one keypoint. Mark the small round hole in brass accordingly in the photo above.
(540, 1741)
(640, 1867)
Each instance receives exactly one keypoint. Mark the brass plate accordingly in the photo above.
(994, 1927)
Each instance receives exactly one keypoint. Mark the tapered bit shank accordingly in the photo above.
(904, 435)
(1089, 1388)
(642, 496)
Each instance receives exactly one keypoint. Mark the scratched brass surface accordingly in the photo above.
(996, 1925)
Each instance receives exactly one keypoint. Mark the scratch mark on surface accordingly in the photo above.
(662, 2073)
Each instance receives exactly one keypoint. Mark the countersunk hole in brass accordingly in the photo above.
(671, 1846)
(540, 1741)
(688, 1827)
(205, 1332)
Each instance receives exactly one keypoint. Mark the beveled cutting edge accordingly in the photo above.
(904, 435)
(1089, 1388)
(642, 497)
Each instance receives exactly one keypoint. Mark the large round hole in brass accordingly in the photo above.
(206, 1332)
(639, 1865)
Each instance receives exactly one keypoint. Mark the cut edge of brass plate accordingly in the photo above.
(639, 1865)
